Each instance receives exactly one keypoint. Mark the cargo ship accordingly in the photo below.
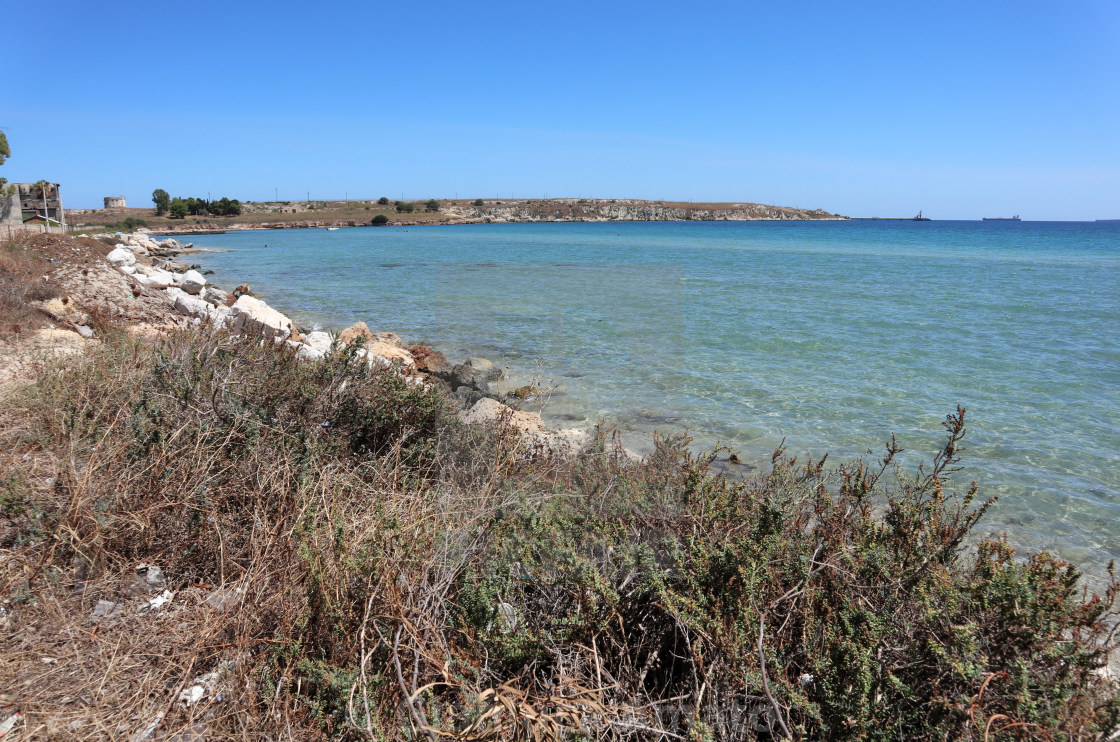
(1002, 218)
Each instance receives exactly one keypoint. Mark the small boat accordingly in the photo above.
(1002, 218)
(332, 229)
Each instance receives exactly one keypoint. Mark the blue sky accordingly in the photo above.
(959, 109)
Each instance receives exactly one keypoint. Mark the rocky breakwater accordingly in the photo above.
(471, 383)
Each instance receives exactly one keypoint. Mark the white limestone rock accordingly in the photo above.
(120, 256)
(221, 314)
(189, 305)
(318, 340)
(388, 355)
(306, 352)
(154, 277)
(193, 282)
(252, 316)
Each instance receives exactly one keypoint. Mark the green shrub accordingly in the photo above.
(380, 220)
(404, 207)
(406, 572)
(128, 224)
(383, 201)
(477, 202)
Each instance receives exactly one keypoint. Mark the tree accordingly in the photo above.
(404, 207)
(383, 201)
(178, 208)
(380, 220)
(162, 201)
(5, 153)
(477, 202)
(432, 205)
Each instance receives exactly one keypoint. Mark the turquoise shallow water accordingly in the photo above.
(829, 335)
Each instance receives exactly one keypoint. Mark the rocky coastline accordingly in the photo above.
(145, 269)
(497, 211)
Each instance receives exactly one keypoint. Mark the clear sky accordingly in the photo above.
(961, 109)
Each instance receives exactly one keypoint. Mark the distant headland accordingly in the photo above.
(354, 213)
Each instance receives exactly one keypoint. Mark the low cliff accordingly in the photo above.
(588, 210)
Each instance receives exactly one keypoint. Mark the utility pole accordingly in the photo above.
(276, 194)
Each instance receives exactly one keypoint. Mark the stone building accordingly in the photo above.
(26, 207)
(114, 202)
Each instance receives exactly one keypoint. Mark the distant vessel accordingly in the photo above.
(1002, 218)
(920, 218)
(332, 229)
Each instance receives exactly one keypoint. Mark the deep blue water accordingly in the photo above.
(828, 335)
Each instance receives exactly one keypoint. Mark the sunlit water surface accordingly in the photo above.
(827, 335)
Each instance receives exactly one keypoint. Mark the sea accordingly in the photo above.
(824, 337)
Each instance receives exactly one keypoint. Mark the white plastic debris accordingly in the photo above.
(9, 724)
(199, 688)
(157, 602)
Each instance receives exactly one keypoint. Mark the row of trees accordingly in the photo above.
(180, 208)
(404, 207)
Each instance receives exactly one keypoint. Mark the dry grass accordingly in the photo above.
(22, 265)
(352, 563)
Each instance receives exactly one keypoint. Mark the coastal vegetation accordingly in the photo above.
(179, 208)
(282, 213)
(345, 559)
(5, 153)
(128, 224)
(162, 200)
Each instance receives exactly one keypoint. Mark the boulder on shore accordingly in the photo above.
(390, 338)
(357, 332)
(215, 295)
(120, 256)
(492, 412)
(319, 340)
(193, 282)
(389, 354)
(252, 316)
(430, 361)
